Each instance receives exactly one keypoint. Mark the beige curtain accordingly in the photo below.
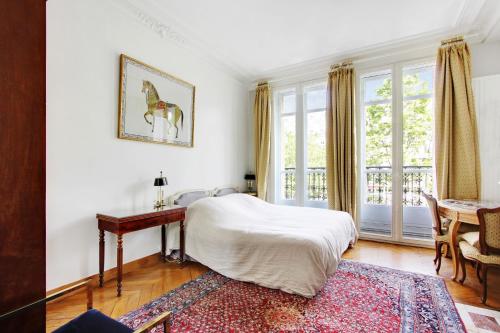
(262, 133)
(458, 173)
(341, 140)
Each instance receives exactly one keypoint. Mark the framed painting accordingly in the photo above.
(154, 106)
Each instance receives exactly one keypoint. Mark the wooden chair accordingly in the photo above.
(485, 251)
(93, 321)
(439, 229)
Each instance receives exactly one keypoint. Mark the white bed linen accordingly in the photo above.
(294, 249)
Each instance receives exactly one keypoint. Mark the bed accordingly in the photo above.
(294, 249)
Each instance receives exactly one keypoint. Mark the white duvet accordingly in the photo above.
(294, 249)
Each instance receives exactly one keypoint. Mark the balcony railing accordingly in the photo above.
(378, 186)
(316, 184)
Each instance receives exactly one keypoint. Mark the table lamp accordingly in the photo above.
(159, 183)
(250, 178)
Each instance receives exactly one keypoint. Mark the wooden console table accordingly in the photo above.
(122, 222)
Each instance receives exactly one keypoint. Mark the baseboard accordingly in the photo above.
(110, 274)
(388, 241)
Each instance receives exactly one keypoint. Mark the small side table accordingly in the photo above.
(253, 194)
(122, 222)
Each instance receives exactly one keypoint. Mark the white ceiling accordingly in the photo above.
(255, 38)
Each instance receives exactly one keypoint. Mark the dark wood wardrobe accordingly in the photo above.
(22, 162)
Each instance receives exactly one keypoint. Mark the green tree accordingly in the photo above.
(316, 154)
(417, 125)
(289, 149)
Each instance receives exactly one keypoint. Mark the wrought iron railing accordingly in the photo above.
(288, 184)
(416, 179)
(316, 184)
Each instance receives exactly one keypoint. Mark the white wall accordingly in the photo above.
(485, 59)
(487, 100)
(89, 170)
(486, 85)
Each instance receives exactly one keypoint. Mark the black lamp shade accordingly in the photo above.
(249, 177)
(161, 181)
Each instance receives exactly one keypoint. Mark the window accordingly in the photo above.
(300, 141)
(315, 109)
(396, 109)
(288, 144)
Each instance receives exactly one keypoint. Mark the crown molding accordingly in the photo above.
(468, 13)
(476, 20)
(420, 46)
(161, 29)
(168, 28)
(489, 19)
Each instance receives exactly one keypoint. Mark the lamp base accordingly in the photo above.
(159, 204)
(250, 186)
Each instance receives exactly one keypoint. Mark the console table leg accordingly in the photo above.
(101, 257)
(119, 264)
(163, 244)
(181, 240)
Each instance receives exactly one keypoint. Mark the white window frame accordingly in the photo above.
(300, 144)
(278, 170)
(311, 87)
(397, 148)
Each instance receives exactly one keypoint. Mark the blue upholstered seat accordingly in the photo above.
(93, 321)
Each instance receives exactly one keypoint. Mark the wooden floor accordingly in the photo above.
(145, 284)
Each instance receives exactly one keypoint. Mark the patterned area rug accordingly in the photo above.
(358, 298)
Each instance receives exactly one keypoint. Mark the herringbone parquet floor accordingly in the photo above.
(143, 285)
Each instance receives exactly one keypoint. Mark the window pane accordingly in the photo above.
(316, 156)
(316, 99)
(417, 132)
(377, 88)
(288, 142)
(417, 152)
(378, 135)
(288, 103)
(418, 81)
(378, 154)
(316, 147)
(376, 210)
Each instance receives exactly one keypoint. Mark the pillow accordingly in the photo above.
(189, 197)
(225, 191)
(472, 238)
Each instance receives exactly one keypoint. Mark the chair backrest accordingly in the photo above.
(433, 207)
(489, 230)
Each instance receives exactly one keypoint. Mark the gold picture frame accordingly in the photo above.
(154, 106)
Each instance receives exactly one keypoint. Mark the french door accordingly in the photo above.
(396, 111)
(300, 150)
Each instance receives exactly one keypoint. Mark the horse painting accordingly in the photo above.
(158, 108)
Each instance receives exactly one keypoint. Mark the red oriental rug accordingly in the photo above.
(358, 298)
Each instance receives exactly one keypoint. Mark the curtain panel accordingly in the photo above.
(458, 173)
(341, 139)
(262, 136)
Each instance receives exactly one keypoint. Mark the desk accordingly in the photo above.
(125, 221)
(461, 211)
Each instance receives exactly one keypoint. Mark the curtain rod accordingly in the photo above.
(340, 65)
(452, 40)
